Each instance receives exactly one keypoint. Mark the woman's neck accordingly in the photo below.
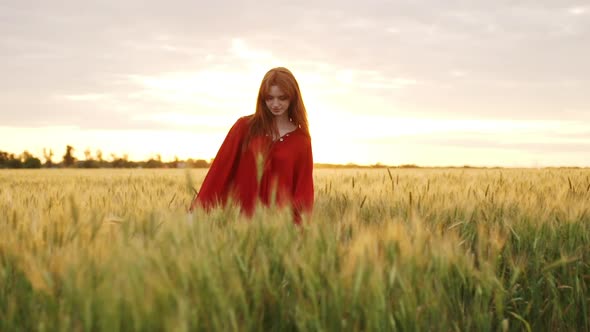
(282, 121)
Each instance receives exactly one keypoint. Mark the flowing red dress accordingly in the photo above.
(279, 172)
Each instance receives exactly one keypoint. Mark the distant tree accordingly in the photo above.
(409, 166)
(13, 162)
(122, 162)
(175, 163)
(3, 159)
(99, 158)
(154, 163)
(88, 162)
(25, 155)
(200, 163)
(29, 161)
(377, 165)
(48, 155)
(69, 160)
(26, 159)
(32, 162)
(119, 163)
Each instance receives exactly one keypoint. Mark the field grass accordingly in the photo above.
(406, 250)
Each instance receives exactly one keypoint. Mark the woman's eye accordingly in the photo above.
(283, 98)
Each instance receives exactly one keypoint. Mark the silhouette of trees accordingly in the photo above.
(48, 155)
(155, 163)
(69, 160)
(4, 157)
(89, 162)
(100, 161)
(175, 163)
(28, 160)
(88, 154)
(13, 162)
(199, 163)
(122, 162)
(32, 162)
(24, 160)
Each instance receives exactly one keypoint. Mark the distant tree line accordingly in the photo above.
(96, 160)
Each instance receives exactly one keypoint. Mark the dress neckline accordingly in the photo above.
(280, 138)
(290, 132)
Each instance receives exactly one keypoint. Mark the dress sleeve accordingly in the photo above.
(303, 194)
(214, 189)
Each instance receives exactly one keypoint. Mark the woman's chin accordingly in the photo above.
(278, 113)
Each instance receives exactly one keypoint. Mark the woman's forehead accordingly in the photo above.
(275, 91)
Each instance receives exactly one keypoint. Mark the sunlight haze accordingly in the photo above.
(394, 82)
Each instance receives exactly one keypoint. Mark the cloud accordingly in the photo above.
(524, 147)
(122, 64)
(577, 11)
(87, 97)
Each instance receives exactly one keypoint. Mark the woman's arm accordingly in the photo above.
(214, 189)
(303, 193)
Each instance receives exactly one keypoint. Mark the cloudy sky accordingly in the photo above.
(426, 82)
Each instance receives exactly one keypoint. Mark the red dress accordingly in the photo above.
(279, 172)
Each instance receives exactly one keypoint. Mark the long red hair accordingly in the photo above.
(262, 122)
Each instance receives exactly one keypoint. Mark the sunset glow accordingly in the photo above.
(475, 87)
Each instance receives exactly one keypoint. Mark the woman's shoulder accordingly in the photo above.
(303, 139)
(244, 121)
(300, 132)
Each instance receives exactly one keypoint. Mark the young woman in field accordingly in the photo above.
(266, 157)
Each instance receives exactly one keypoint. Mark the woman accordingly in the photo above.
(266, 157)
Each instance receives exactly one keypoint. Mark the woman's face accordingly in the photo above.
(277, 101)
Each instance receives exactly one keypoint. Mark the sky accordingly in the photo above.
(433, 83)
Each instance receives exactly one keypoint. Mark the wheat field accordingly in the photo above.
(385, 250)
